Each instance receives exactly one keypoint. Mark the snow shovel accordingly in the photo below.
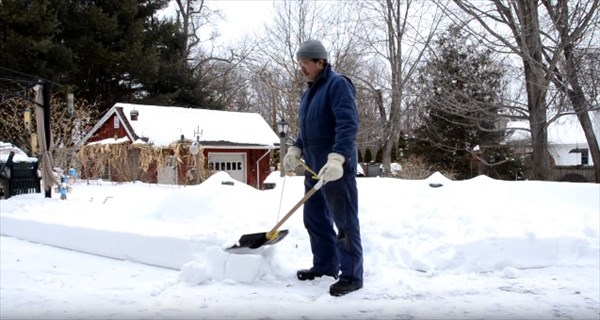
(257, 240)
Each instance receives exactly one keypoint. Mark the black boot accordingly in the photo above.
(309, 274)
(344, 287)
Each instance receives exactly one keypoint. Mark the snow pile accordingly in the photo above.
(433, 248)
(110, 141)
(477, 225)
(20, 156)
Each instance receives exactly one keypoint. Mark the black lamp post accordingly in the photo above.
(283, 127)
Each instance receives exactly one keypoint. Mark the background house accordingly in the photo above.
(566, 143)
(156, 142)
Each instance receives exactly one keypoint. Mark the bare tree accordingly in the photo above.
(216, 68)
(192, 15)
(279, 81)
(539, 52)
(68, 125)
(398, 33)
(370, 83)
(571, 26)
(587, 61)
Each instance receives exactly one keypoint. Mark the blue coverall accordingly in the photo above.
(328, 122)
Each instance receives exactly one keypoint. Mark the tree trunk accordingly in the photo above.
(536, 83)
(579, 104)
(575, 93)
(393, 133)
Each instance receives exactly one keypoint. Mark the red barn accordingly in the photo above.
(236, 142)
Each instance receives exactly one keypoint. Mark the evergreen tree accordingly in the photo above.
(402, 146)
(28, 42)
(463, 85)
(394, 153)
(105, 51)
(113, 45)
(379, 155)
(175, 82)
(368, 155)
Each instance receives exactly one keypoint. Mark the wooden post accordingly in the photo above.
(46, 96)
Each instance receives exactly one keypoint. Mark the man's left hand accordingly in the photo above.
(332, 170)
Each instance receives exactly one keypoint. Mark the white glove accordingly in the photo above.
(292, 159)
(332, 170)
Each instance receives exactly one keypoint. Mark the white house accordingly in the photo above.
(566, 141)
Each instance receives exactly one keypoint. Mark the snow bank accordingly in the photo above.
(20, 156)
(477, 225)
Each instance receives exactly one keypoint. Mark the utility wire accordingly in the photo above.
(26, 75)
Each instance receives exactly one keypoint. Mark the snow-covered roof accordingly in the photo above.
(111, 141)
(163, 125)
(565, 131)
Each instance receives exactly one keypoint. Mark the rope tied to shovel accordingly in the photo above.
(281, 197)
(311, 171)
(274, 232)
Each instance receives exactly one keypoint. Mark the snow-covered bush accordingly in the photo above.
(415, 167)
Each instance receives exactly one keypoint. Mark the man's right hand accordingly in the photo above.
(292, 159)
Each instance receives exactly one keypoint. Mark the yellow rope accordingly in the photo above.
(314, 175)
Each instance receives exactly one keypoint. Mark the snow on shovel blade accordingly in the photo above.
(257, 240)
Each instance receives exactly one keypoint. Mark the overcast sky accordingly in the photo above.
(242, 17)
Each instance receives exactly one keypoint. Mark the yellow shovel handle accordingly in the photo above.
(273, 232)
(314, 175)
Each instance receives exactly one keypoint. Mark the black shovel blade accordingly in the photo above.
(257, 240)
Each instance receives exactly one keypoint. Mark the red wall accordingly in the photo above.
(108, 131)
(252, 155)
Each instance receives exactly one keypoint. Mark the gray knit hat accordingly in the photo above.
(311, 49)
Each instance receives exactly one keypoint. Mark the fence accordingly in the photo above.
(19, 178)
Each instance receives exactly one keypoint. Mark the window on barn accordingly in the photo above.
(585, 158)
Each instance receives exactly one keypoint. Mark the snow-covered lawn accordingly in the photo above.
(471, 249)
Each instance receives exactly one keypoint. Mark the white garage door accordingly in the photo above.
(232, 163)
